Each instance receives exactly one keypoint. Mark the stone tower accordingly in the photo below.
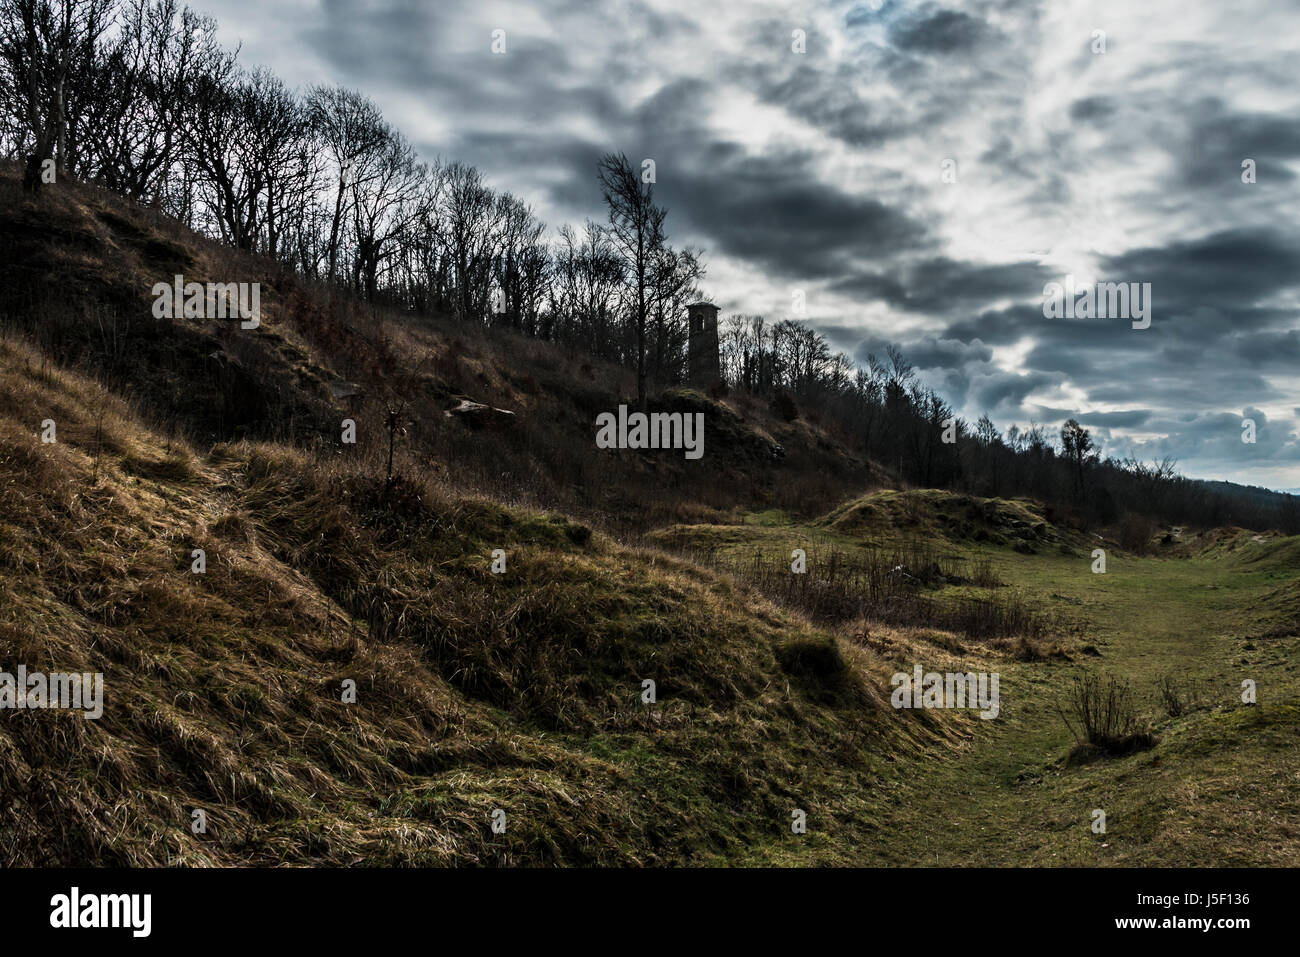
(703, 365)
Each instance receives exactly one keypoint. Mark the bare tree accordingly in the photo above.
(674, 281)
(135, 92)
(585, 282)
(387, 195)
(229, 180)
(1153, 480)
(469, 211)
(636, 228)
(352, 131)
(275, 129)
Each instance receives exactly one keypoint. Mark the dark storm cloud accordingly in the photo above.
(940, 31)
(930, 352)
(1092, 108)
(1206, 319)
(998, 327)
(1270, 349)
(822, 94)
(1002, 391)
(771, 211)
(1229, 268)
(1106, 420)
(942, 286)
(1220, 140)
(1126, 368)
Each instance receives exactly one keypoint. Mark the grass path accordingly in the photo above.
(1221, 787)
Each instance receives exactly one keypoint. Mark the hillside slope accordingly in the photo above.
(1199, 638)
(77, 266)
(230, 692)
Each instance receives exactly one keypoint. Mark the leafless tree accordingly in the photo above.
(352, 130)
(636, 227)
(470, 214)
(132, 129)
(585, 282)
(674, 281)
(387, 196)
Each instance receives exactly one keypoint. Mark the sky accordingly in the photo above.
(917, 172)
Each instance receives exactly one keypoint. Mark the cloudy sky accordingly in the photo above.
(823, 171)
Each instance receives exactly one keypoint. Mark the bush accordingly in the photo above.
(1178, 696)
(811, 658)
(888, 585)
(1135, 533)
(1099, 713)
(982, 573)
(819, 668)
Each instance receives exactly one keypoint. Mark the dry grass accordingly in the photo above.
(474, 691)
(890, 585)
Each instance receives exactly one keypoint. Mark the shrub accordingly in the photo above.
(888, 585)
(1178, 696)
(982, 574)
(1099, 713)
(1135, 533)
(820, 669)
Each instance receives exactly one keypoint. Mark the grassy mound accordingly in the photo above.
(952, 518)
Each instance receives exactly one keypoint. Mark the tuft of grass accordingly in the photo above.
(1179, 695)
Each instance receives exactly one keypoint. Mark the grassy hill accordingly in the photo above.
(1215, 780)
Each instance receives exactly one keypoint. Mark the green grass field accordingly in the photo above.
(1220, 787)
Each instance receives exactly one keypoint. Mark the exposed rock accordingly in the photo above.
(477, 415)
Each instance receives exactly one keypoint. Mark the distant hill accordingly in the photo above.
(1259, 495)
